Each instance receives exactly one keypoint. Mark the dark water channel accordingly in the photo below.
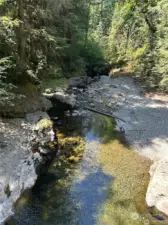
(105, 187)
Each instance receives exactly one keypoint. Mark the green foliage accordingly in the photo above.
(6, 89)
(138, 37)
(161, 66)
(39, 39)
(92, 53)
(51, 39)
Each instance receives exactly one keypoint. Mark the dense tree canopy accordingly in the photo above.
(54, 38)
(138, 37)
(39, 38)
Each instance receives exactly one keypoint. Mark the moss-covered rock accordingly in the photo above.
(71, 148)
(46, 142)
(43, 124)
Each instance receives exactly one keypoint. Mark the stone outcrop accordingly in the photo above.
(61, 96)
(21, 143)
(157, 193)
(78, 82)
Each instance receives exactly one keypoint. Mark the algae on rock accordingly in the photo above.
(71, 148)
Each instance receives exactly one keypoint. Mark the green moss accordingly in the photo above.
(43, 124)
(53, 83)
(71, 148)
(52, 145)
(16, 111)
(28, 89)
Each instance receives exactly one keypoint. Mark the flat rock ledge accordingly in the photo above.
(21, 141)
(157, 193)
(68, 96)
(61, 96)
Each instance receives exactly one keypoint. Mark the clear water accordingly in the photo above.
(105, 187)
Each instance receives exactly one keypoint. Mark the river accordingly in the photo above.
(106, 187)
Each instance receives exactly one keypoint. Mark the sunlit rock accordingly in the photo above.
(157, 194)
(61, 96)
(22, 142)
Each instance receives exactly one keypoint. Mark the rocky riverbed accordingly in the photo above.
(142, 119)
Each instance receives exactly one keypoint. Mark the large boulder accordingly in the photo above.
(34, 118)
(61, 96)
(23, 143)
(157, 193)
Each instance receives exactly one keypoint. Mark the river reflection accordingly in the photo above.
(96, 190)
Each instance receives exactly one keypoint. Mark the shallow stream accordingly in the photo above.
(106, 187)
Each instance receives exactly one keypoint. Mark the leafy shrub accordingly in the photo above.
(7, 95)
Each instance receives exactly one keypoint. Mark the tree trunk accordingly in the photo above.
(87, 23)
(21, 36)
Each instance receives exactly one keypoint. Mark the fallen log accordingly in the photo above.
(104, 113)
(93, 79)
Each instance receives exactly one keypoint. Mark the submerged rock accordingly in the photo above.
(157, 193)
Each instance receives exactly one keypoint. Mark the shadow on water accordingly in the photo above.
(102, 188)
